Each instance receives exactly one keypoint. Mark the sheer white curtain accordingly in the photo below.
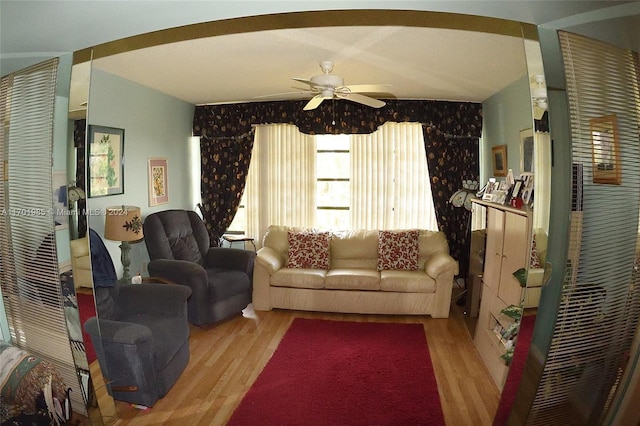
(390, 179)
(281, 183)
(542, 179)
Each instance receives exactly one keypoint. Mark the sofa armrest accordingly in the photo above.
(440, 263)
(270, 259)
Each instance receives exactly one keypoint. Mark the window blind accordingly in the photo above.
(600, 305)
(29, 275)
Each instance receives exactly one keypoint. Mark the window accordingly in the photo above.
(376, 181)
(333, 182)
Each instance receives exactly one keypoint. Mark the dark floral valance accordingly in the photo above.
(452, 118)
(451, 133)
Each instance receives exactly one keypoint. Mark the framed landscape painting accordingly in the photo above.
(499, 154)
(158, 181)
(105, 171)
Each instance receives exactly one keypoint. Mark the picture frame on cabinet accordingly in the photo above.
(516, 189)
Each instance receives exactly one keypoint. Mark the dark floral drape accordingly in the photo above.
(79, 141)
(451, 131)
(225, 163)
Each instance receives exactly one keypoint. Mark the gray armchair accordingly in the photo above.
(141, 339)
(220, 278)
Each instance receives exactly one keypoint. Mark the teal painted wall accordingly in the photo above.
(155, 125)
(505, 114)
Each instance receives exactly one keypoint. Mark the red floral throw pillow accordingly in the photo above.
(534, 261)
(309, 250)
(398, 250)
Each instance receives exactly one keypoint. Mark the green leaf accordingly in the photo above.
(521, 276)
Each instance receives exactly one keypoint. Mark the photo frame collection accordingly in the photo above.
(518, 193)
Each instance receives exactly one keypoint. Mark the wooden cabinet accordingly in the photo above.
(508, 233)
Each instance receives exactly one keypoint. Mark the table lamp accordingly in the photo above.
(123, 223)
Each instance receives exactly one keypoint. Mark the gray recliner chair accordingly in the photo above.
(141, 333)
(220, 278)
(141, 339)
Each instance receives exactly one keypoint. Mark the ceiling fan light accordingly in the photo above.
(327, 93)
(538, 92)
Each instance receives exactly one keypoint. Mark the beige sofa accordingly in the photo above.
(353, 284)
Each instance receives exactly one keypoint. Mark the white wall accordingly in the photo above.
(155, 125)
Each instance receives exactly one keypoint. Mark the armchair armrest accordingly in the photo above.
(191, 275)
(125, 354)
(230, 258)
(440, 263)
(164, 299)
(269, 259)
(181, 272)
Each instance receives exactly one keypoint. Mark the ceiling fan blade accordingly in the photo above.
(305, 81)
(368, 88)
(313, 103)
(362, 99)
(301, 92)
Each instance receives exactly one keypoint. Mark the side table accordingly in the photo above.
(239, 238)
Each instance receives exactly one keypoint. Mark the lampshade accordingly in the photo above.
(123, 223)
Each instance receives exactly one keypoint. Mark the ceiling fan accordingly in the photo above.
(330, 86)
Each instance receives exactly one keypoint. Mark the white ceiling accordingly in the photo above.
(417, 63)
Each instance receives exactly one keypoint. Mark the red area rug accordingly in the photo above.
(87, 309)
(345, 373)
(515, 371)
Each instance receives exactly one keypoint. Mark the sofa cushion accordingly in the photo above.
(309, 250)
(354, 249)
(398, 250)
(407, 281)
(353, 279)
(299, 278)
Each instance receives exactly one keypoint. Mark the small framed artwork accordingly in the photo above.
(105, 171)
(605, 149)
(499, 155)
(526, 150)
(158, 181)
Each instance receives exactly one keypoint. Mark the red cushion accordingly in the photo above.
(398, 250)
(309, 250)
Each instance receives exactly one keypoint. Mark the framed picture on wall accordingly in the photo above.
(158, 181)
(499, 156)
(105, 171)
(605, 150)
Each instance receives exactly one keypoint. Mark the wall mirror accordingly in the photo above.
(113, 75)
(100, 407)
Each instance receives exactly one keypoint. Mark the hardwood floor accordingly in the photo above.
(228, 357)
